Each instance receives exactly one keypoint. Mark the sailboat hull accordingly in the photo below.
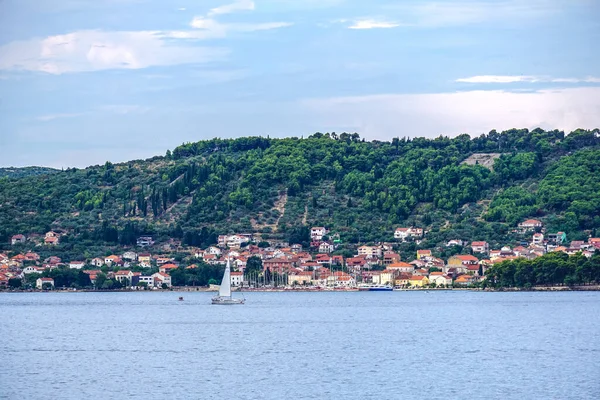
(227, 301)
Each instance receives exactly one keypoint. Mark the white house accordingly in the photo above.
(317, 233)
(129, 255)
(160, 278)
(325, 247)
(237, 278)
(538, 238)
(124, 276)
(76, 264)
(18, 239)
(440, 279)
(32, 270)
(145, 241)
(44, 281)
(454, 242)
(149, 280)
(530, 224)
(480, 247)
(403, 233)
(213, 250)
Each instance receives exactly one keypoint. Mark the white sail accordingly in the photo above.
(225, 288)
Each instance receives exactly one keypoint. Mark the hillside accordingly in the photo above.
(13, 172)
(359, 189)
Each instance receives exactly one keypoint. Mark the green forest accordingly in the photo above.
(359, 189)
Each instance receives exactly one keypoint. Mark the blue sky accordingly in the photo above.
(83, 82)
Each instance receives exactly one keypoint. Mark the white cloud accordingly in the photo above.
(52, 117)
(371, 24)
(99, 50)
(525, 78)
(181, 9)
(240, 5)
(457, 13)
(473, 112)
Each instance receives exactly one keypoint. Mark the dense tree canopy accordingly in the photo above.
(357, 188)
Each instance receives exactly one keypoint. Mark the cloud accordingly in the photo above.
(372, 24)
(525, 78)
(240, 5)
(456, 13)
(99, 50)
(95, 50)
(52, 117)
(474, 112)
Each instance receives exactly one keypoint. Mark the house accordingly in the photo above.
(130, 255)
(370, 251)
(32, 270)
(162, 279)
(40, 283)
(51, 240)
(236, 278)
(213, 250)
(390, 258)
(145, 260)
(125, 277)
(18, 239)
(464, 280)
(317, 233)
(148, 280)
(144, 241)
(76, 264)
(300, 278)
(557, 238)
(538, 238)
(418, 281)
(97, 262)
(385, 277)
(296, 248)
(323, 259)
(480, 247)
(32, 256)
(325, 247)
(402, 280)
(530, 224)
(337, 260)
(112, 260)
(404, 233)
(462, 260)
(455, 242)
(166, 268)
(440, 279)
(278, 264)
(401, 267)
(423, 253)
(233, 241)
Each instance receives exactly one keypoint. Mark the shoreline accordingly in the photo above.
(590, 288)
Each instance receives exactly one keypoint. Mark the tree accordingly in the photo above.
(253, 265)
(14, 283)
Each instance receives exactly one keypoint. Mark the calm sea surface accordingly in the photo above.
(385, 345)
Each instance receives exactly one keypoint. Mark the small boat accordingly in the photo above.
(224, 297)
(180, 298)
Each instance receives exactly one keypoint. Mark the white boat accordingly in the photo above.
(224, 297)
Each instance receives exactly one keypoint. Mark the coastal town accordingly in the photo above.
(262, 265)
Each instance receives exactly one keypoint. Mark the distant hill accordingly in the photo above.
(25, 171)
(361, 190)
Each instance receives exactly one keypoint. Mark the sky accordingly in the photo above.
(83, 82)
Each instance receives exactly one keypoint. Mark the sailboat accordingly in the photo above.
(224, 296)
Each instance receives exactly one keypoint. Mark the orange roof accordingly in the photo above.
(478, 243)
(169, 266)
(400, 265)
(416, 278)
(466, 257)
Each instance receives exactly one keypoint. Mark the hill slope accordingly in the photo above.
(361, 190)
(12, 172)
